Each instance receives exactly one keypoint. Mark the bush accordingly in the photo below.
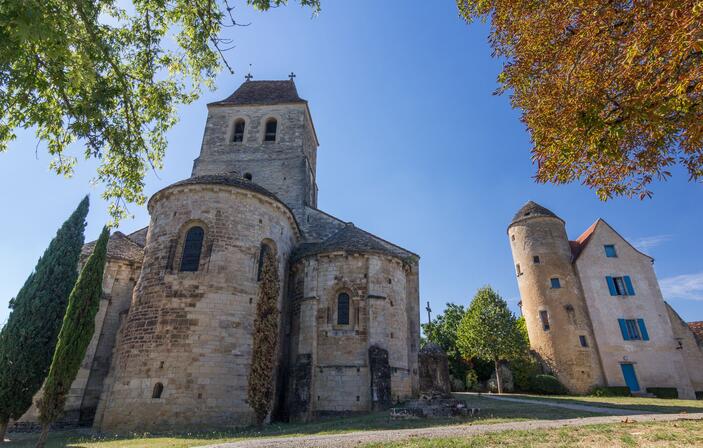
(472, 382)
(699, 395)
(524, 370)
(547, 385)
(613, 391)
(663, 392)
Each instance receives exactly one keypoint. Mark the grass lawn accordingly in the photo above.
(657, 405)
(492, 411)
(660, 434)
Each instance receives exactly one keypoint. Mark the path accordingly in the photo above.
(356, 439)
(575, 407)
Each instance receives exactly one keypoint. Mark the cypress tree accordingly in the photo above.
(260, 393)
(75, 335)
(28, 338)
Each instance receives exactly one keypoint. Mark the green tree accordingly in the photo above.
(611, 91)
(443, 332)
(75, 335)
(28, 338)
(109, 74)
(260, 392)
(489, 330)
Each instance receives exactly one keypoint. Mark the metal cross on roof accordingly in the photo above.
(248, 77)
(291, 76)
(429, 313)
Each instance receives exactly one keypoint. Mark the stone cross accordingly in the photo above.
(291, 76)
(429, 313)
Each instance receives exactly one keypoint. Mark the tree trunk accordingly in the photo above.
(499, 381)
(43, 436)
(3, 430)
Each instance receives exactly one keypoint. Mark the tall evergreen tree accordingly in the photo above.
(28, 339)
(489, 330)
(76, 332)
(260, 393)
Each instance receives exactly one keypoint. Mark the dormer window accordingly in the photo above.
(238, 136)
(271, 127)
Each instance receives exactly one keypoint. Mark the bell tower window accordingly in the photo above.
(238, 136)
(343, 309)
(271, 128)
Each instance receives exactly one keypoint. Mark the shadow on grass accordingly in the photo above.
(632, 404)
(492, 411)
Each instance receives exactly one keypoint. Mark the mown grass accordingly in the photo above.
(657, 405)
(492, 411)
(658, 434)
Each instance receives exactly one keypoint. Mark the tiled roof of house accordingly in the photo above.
(530, 210)
(580, 242)
(263, 93)
(697, 329)
(352, 239)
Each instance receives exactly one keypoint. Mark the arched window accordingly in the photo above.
(271, 127)
(343, 309)
(238, 135)
(263, 251)
(158, 390)
(190, 261)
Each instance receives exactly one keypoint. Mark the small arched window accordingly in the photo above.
(263, 251)
(271, 127)
(238, 135)
(343, 309)
(192, 247)
(158, 390)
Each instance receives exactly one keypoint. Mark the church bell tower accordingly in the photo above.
(264, 133)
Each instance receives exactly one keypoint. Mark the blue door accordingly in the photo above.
(628, 371)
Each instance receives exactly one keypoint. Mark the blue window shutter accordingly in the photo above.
(643, 330)
(611, 286)
(623, 328)
(628, 285)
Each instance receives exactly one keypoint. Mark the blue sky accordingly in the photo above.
(414, 148)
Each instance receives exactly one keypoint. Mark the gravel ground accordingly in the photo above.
(575, 407)
(356, 439)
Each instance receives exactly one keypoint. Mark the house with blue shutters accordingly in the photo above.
(594, 310)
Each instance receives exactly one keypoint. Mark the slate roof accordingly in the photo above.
(119, 247)
(231, 179)
(697, 329)
(262, 93)
(530, 210)
(351, 239)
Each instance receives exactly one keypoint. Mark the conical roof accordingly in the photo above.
(531, 210)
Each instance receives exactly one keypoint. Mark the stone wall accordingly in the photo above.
(691, 351)
(285, 167)
(192, 331)
(577, 367)
(382, 313)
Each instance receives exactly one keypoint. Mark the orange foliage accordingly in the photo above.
(611, 91)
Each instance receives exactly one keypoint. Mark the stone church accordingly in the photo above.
(595, 314)
(173, 341)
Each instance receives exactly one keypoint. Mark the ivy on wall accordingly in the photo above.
(260, 392)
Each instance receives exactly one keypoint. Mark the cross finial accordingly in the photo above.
(249, 76)
(291, 76)
(429, 313)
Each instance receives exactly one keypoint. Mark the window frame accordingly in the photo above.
(613, 254)
(185, 246)
(267, 134)
(555, 283)
(544, 320)
(633, 330)
(583, 341)
(340, 295)
(235, 134)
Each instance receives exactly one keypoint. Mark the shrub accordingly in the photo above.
(472, 382)
(524, 370)
(547, 385)
(699, 395)
(663, 392)
(613, 391)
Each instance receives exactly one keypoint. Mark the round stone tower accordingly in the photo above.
(553, 303)
(185, 351)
